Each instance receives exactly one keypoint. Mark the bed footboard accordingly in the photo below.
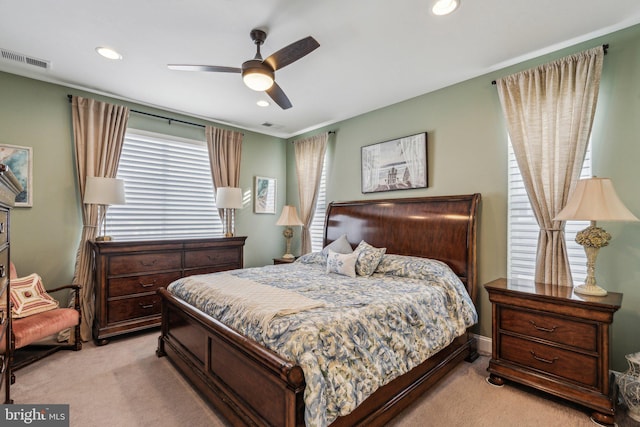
(247, 383)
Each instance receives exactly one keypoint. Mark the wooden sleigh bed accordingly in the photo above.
(251, 385)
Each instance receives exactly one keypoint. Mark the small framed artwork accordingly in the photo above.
(20, 161)
(399, 164)
(265, 195)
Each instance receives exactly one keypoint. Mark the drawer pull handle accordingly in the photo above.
(146, 306)
(1, 227)
(3, 271)
(540, 328)
(151, 264)
(147, 285)
(542, 359)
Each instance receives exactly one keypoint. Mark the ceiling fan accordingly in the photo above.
(259, 74)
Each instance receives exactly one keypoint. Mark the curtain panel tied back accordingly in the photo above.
(98, 134)
(309, 153)
(549, 112)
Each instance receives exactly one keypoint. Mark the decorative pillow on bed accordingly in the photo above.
(29, 296)
(368, 258)
(344, 264)
(340, 245)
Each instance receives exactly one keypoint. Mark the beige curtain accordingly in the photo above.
(98, 130)
(225, 153)
(549, 112)
(309, 154)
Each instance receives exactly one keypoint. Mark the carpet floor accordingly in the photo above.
(124, 384)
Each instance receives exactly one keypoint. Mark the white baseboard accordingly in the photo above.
(484, 345)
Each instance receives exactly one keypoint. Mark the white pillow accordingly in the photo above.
(340, 245)
(344, 264)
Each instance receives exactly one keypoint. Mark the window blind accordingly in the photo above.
(523, 228)
(169, 190)
(317, 225)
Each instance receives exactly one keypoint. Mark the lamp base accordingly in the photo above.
(103, 239)
(590, 290)
(288, 256)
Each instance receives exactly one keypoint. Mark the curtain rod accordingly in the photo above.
(604, 47)
(157, 116)
(331, 132)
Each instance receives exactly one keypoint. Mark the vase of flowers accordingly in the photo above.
(629, 385)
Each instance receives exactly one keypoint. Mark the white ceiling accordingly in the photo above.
(372, 53)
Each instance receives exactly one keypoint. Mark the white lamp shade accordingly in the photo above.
(104, 191)
(229, 198)
(595, 199)
(289, 216)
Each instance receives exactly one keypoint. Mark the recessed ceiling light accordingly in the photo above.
(108, 53)
(444, 7)
(263, 103)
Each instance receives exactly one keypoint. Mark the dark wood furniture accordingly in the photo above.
(251, 385)
(547, 337)
(277, 261)
(127, 275)
(9, 189)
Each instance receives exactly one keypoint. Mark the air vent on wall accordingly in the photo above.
(24, 59)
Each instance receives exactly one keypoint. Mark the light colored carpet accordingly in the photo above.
(124, 384)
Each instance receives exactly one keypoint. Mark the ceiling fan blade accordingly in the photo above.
(215, 68)
(292, 53)
(277, 94)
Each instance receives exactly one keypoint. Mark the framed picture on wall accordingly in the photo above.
(264, 190)
(20, 161)
(399, 164)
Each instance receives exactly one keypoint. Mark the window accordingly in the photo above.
(168, 187)
(523, 228)
(317, 225)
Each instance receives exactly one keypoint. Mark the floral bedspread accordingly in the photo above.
(370, 330)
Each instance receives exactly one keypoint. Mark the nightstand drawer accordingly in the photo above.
(138, 284)
(562, 363)
(133, 308)
(127, 264)
(557, 329)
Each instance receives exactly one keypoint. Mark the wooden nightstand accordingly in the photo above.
(283, 260)
(549, 338)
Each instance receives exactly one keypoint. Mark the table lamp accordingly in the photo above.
(594, 199)
(229, 199)
(103, 192)
(288, 217)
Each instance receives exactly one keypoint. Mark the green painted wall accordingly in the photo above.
(44, 238)
(467, 149)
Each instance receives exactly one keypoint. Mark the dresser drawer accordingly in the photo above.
(123, 286)
(557, 329)
(160, 261)
(4, 226)
(211, 257)
(133, 308)
(562, 363)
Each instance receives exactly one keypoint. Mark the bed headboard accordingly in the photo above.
(442, 228)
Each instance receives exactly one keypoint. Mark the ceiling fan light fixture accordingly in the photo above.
(256, 75)
(444, 7)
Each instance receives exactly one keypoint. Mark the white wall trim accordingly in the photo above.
(484, 345)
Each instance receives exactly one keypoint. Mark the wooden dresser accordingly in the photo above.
(547, 337)
(127, 275)
(9, 189)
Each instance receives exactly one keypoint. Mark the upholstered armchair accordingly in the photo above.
(35, 317)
